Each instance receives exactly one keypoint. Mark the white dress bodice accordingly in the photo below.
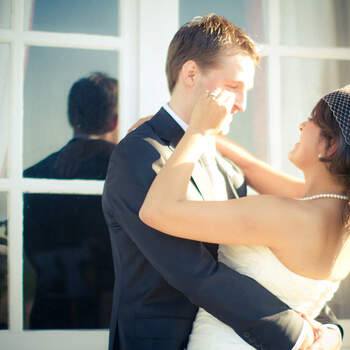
(300, 293)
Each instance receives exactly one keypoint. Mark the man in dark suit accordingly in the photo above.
(65, 236)
(161, 280)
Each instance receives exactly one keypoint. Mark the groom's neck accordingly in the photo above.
(182, 105)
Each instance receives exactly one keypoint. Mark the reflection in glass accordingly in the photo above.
(78, 16)
(304, 82)
(68, 270)
(5, 70)
(249, 128)
(250, 15)
(5, 14)
(49, 75)
(322, 23)
(3, 264)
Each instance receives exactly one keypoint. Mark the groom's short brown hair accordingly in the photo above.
(203, 40)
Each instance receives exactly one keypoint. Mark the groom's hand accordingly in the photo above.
(325, 337)
(319, 336)
(329, 339)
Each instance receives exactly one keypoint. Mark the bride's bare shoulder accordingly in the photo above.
(318, 241)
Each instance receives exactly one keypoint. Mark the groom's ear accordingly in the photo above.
(189, 73)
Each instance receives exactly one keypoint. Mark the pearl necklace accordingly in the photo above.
(325, 195)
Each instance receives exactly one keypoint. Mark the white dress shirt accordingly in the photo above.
(208, 159)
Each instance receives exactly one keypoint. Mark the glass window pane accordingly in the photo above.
(249, 128)
(49, 75)
(5, 14)
(250, 15)
(78, 16)
(317, 23)
(304, 82)
(68, 269)
(5, 70)
(3, 264)
(68, 272)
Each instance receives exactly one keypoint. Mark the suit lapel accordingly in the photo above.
(234, 178)
(166, 127)
(202, 181)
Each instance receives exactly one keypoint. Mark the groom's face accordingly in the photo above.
(232, 73)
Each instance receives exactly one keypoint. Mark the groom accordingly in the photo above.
(161, 280)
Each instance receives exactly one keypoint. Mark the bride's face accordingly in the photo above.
(305, 153)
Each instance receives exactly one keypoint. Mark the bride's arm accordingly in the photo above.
(256, 220)
(260, 175)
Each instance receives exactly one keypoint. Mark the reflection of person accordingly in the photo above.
(297, 248)
(65, 236)
(160, 280)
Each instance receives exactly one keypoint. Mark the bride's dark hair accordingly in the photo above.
(339, 163)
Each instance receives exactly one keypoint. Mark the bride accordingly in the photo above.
(298, 248)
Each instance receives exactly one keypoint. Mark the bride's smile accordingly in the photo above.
(311, 144)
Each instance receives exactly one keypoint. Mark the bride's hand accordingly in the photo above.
(212, 112)
(139, 122)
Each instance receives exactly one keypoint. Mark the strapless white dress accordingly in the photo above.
(299, 293)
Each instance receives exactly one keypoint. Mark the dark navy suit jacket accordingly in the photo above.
(161, 280)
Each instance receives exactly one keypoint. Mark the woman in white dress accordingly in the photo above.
(298, 248)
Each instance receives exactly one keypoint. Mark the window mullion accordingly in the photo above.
(88, 187)
(6, 35)
(128, 65)
(153, 84)
(335, 53)
(68, 40)
(274, 86)
(15, 168)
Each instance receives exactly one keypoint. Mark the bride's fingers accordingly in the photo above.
(225, 98)
(229, 99)
(139, 122)
(215, 94)
(213, 110)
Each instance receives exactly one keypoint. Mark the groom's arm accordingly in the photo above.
(328, 318)
(329, 336)
(331, 325)
(237, 300)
